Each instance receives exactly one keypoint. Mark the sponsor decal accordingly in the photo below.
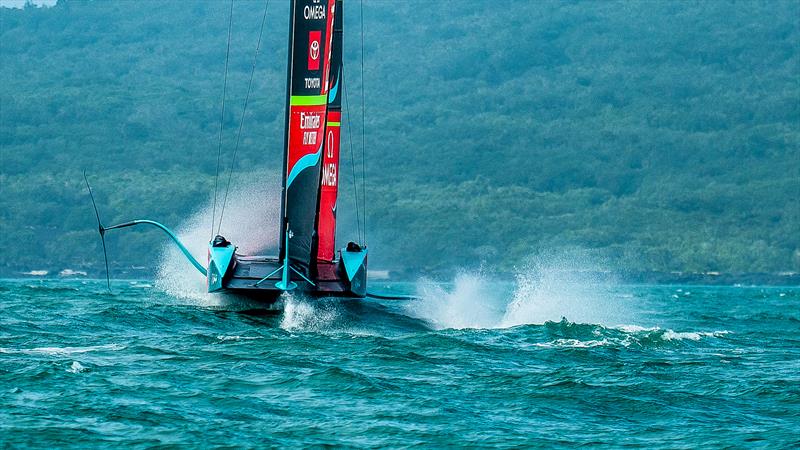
(306, 133)
(329, 177)
(315, 11)
(312, 83)
(314, 49)
(310, 121)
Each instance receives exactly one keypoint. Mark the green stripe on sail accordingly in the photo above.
(334, 124)
(309, 100)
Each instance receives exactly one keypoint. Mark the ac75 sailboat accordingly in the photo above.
(307, 260)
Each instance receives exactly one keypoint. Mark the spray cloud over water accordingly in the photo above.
(552, 287)
(472, 302)
(250, 222)
(548, 288)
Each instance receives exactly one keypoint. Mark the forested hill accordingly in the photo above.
(654, 135)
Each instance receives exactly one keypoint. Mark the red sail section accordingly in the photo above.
(329, 181)
(329, 190)
(306, 127)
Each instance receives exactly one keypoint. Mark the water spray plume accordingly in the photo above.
(548, 288)
(251, 222)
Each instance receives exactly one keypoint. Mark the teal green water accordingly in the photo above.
(468, 365)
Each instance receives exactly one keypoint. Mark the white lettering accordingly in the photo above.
(312, 83)
(309, 137)
(329, 175)
(314, 12)
(329, 144)
(309, 121)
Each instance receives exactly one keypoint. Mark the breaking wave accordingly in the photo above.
(566, 334)
(560, 298)
(62, 351)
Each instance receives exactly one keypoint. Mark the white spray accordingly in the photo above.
(548, 288)
(301, 314)
(251, 223)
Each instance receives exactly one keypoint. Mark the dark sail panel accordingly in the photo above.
(329, 188)
(305, 129)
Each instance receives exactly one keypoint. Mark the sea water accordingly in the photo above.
(545, 360)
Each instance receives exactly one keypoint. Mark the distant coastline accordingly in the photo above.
(710, 278)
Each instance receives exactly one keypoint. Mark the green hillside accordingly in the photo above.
(659, 136)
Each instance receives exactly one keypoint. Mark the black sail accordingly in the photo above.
(307, 96)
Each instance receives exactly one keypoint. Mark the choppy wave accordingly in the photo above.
(77, 367)
(140, 368)
(48, 285)
(565, 334)
(574, 343)
(62, 351)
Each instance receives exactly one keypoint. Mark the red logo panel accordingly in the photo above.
(329, 190)
(306, 130)
(314, 49)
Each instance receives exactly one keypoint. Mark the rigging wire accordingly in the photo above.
(222, 118)
(241, 121)
(363, 129)
(345, 92)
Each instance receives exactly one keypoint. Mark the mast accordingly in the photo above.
(326, 215)
(306, 108)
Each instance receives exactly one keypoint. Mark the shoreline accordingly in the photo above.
(790, 279)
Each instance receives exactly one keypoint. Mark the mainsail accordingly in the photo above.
(326, 228)
(311, 28)
(310, 179)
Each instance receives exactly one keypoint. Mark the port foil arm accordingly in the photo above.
(169, 233)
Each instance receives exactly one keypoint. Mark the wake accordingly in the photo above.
(549, 289)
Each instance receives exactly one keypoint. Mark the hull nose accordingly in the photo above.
(221, 259)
